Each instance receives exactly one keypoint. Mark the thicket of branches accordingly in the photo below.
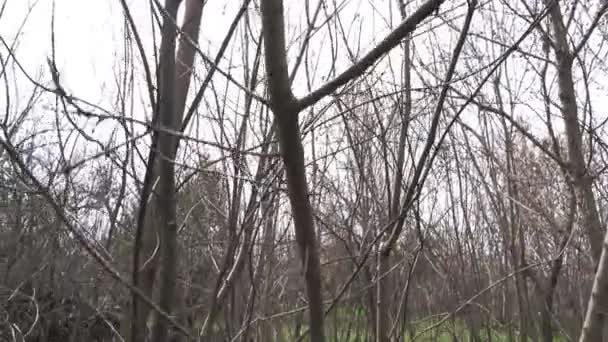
(317, 170)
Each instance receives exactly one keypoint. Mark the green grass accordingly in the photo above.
(350, 324)
(356, 330)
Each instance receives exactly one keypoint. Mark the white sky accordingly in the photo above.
(89, 35)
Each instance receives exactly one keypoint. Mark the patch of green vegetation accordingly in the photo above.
(351, 325)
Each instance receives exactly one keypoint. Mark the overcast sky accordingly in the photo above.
(89, 47)
(89, 37)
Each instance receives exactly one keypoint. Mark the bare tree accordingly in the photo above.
(565, 57)
(286, 108)
(409, 186)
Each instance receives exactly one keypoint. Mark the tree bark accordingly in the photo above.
(165, 195)
(283, 105)
(596, 316)
(159, 232)
(286, 109)
(383, 309)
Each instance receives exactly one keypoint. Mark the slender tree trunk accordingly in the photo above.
(165, 194)
(229, 282)
(382, 298)
(293, 157)
(593, 326)
(284, 106)
(545, 318)
(286, 109)
(405, 108)
(267, 262)
(159, 235)
(595, 316)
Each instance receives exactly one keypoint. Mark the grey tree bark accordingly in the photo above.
(283, 105)
(415, 183)
(565, 56)
(405, 104)
(159, 230)
(286, 109)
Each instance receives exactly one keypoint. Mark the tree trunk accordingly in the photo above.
(165, 194)
(405, 108)
(286, 109)
(283, 105)
(593, 326)
(160, 223)
(382, 298)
